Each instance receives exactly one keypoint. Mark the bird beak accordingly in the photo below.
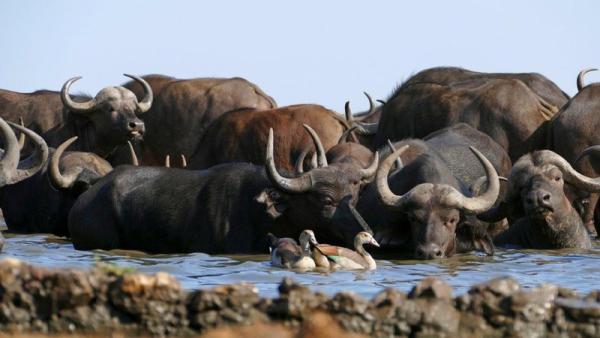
(374, 242)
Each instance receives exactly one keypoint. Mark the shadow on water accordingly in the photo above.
(579, 270)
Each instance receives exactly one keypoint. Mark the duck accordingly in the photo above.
(286, 253)
(336, 257)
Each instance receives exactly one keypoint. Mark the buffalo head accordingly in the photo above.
(536, 190)
(113, 113)
(434, 211)
(322, 199)
(11, 169)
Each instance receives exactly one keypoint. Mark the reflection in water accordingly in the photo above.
(579, 270)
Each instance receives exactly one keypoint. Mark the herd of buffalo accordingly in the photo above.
(452, 161)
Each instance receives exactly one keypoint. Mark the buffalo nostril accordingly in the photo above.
(546, 197)
(438, 253)
(132, 125)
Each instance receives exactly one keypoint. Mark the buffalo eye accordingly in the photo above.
(327, 200)
(557, 178)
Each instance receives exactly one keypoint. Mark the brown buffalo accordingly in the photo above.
(509, 109)
(239, 136)
(183, 110)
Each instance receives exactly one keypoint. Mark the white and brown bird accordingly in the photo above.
(336, 257)
(286, 253)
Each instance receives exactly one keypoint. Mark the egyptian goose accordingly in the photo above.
(336, 257)
(286, 253)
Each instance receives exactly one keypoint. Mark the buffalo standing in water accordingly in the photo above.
(228, 208)
(52, 191)
(13, 171)
(431, 211)
(535, 199)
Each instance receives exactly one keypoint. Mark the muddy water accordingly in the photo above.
(579, 270)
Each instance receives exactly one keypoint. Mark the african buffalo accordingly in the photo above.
(538, 83)
(12, 170)
(504, 107)
(183, 110)
(240, 136)
(545, 219)
(51, 192)
(102, 123)
(574, 129)
(227, 208)
(427, 207)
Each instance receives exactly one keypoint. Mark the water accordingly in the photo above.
(579, 270)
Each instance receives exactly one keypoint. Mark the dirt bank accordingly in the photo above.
(99, 301)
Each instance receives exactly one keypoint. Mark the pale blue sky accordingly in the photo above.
(323, 52)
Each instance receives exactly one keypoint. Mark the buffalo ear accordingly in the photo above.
(274, 201)
(473, 235)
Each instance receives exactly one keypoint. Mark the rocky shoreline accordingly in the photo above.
(101, 300)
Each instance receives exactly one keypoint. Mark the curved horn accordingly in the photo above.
(22, 136)
(365, 129)
(32, 164)
(369, 173)
(580, 83)
(134, 159)
(383, 189)
(588, 151)
(146, 103)
(475, 188)
(348, 112)
(79, 107)
(313, 161)
(382, 102)
(168, 161)
(343, 138)
(571, 175)
(56, 178)
(183, 161)
(322, 158)
(371, 103)
(484, 201)
(399, 163)
(10, 160)
(299, 184)
(299, 165)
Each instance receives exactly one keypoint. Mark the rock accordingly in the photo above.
(39, 301)
(295, 302)
(157, 301)
(431, 287)
(225, 305)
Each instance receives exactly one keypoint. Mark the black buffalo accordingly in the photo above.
(228, 208)
(12, 170)
(542, 216)
(102, 123)
(427, 207)
(41, 203)
(574, 129)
